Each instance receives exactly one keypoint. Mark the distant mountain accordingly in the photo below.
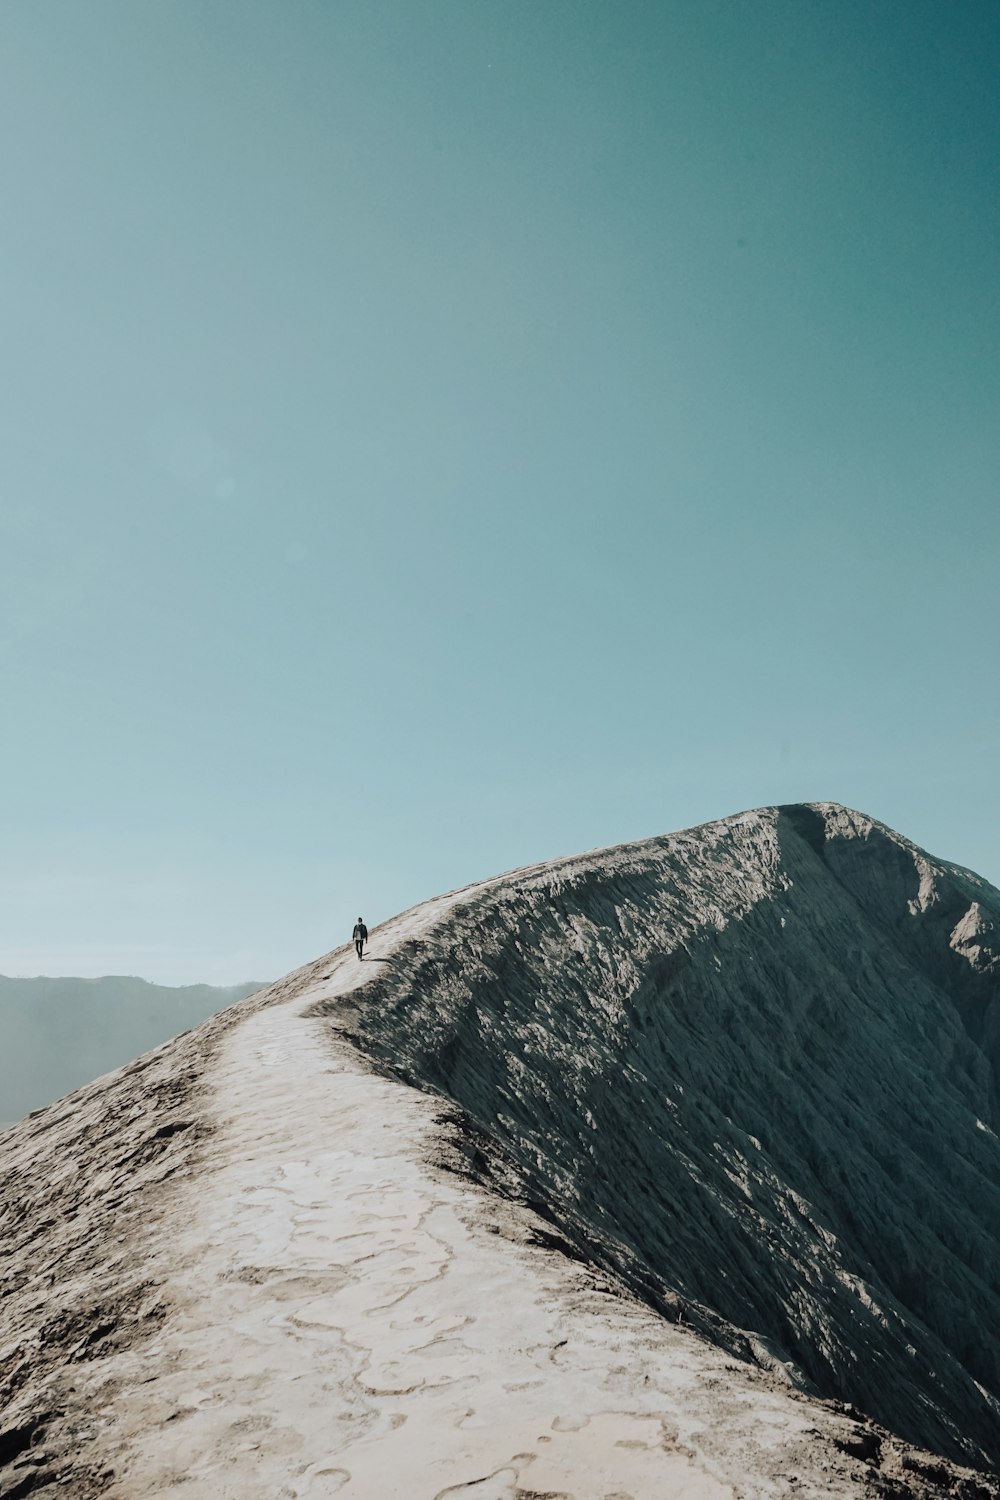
(56, 1034)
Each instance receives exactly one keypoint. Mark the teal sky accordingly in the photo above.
(441, 436)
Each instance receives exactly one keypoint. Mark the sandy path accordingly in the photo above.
(347, 1320)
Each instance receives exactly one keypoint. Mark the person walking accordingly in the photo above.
(360, 935)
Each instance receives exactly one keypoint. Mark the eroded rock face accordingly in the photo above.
(753, 1068)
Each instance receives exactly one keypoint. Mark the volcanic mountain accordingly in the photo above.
(667, 1169)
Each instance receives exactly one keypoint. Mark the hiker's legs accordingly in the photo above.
(359, 944)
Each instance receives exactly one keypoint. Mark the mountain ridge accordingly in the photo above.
(664, 1105)
(835, 914)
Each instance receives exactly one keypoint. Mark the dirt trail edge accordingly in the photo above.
(249, 1280)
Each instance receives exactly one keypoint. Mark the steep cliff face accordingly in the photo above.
(753, 1067)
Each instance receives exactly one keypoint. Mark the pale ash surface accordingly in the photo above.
(315, 1309)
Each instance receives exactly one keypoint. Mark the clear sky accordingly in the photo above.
(439, 435)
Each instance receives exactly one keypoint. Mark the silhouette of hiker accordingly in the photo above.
(360, 935)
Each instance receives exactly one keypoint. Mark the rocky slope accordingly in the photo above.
(753, 1067)
(728, 1093)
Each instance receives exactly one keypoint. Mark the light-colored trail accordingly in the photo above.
(348, 1320)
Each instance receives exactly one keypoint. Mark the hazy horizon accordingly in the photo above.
(441, 438)
(192, 984)
(62, 1032)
